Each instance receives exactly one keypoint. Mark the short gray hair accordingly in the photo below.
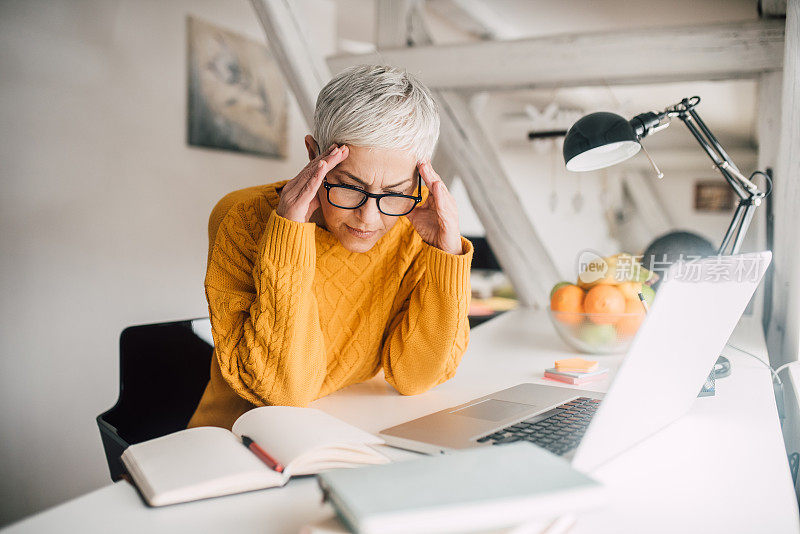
(377, 106)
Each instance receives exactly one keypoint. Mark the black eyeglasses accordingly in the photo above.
(349, 197)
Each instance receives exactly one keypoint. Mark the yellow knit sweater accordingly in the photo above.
(295, 316)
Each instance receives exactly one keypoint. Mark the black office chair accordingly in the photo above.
(482, 256)
(164, 369)
(484, 259)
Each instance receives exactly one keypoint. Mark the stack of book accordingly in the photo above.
(484, 489)
(576, 371)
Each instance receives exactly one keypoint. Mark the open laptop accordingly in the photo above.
(697, 307)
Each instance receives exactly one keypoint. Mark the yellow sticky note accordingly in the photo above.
(578, 365)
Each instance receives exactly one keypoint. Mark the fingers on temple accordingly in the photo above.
(314, 164)
(327, 152)
(432, 179)
(430, 176)
(337, 155)
(334, 156)
(309, 186)
(440, 195)
(309, 173)
(425, 173)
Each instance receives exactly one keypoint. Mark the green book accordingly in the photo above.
(476, 489)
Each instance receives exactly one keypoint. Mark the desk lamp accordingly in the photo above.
(603, 139)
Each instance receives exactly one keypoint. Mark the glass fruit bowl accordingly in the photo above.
(597, 333)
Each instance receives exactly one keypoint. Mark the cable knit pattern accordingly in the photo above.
(295, 316)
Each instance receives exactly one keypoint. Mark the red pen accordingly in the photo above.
(262, 454)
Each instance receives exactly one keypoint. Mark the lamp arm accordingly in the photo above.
(749, 194)
(726, 167)
(727, 164)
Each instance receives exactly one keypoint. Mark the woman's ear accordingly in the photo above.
(312, 147)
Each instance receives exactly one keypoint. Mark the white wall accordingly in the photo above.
(578, 219)
(104, 212)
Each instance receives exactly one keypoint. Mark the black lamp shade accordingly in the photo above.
(599, 140)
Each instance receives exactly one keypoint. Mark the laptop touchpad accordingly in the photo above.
(494, 410)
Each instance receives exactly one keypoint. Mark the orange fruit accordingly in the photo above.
(568, 299)
(629, 324)
(559, 286)
(605, 302)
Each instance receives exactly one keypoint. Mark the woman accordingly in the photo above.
(349, 268)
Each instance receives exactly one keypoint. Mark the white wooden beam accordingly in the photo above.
(444, 166)
(474, 17)
(393, 23)
(783, 333)
(711, 52)
(772, 8)
(303, 69)
(770, 86)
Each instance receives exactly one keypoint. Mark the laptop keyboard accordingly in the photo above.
(560, 430)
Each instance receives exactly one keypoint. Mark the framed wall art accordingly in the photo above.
(716, 196)
(237, 99)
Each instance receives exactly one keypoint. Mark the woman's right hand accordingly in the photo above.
(298, 199)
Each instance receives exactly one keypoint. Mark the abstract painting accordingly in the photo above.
(236, 96)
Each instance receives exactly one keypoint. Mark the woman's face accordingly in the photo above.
(376, 170)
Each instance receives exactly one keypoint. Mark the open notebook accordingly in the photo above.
(208, 462)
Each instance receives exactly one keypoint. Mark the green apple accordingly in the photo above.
(597, 335)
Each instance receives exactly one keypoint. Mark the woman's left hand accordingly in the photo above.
(436, 219)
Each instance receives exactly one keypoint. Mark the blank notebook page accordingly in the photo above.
(287, 432)
(196, 463)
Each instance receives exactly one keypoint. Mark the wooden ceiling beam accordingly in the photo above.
(303, 69)
(684, 53)
(475, 17)
(392, 28)
(783, 329)
(772, 8)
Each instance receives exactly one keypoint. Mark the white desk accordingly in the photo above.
(721, 468)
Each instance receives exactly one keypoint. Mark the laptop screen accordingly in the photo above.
(697, 307)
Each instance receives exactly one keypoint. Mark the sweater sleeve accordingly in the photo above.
(264, 316)
(429, 330)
